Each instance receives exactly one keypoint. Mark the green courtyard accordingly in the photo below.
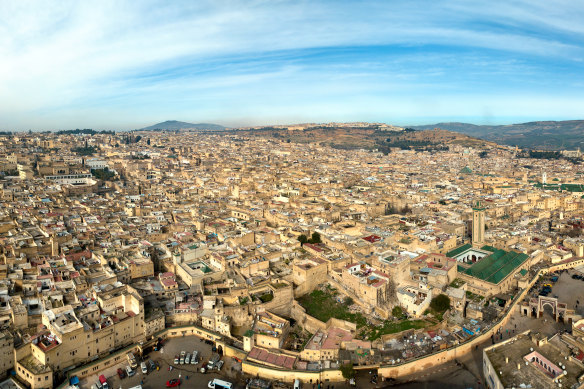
(324, 304)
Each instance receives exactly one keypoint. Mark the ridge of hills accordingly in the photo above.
(548, 135)
(369, 138)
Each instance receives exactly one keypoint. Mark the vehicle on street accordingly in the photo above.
(172, 383)
(130, 371)
(213, 361)
(297, 384)
(188, 359)
(219, 365)
(144, 368)
(103, 382)
(132, 361)
(216, 383)
(195, 357)
(176, 359)
(182, 357)
(121, 373)
(151, 365)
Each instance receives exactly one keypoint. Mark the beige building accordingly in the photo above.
(113, 319)
(369, 285)
(307, 274)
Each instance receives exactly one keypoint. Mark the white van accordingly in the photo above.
(130, 371)
(297, 384)
(216, 383)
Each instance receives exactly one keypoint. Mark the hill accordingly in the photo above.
(174, 125)
(549, 135)
(369, 138)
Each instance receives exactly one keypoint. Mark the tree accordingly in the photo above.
(302, 239)
(348, 371)
(349, 301)
(397, 311)
(315, 238)
(440, 303)
(148, 142)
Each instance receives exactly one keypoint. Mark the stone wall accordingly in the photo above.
(303, 319)
(272, 373)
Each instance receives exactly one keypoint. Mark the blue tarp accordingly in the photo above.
(74, 380)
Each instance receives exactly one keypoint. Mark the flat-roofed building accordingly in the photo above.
(531, 360)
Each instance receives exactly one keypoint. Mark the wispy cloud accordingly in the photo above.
(229, 61)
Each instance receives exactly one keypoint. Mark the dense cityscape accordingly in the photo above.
(121, 253)
(291, 194)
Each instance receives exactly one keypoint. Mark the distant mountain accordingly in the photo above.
(176, 125)
(550, 135)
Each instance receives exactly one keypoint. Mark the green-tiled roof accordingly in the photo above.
(495, 267)
(489, 248)
(458, 250)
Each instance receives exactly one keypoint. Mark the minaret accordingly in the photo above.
(544, 178)
(478, 224)
(54, 246)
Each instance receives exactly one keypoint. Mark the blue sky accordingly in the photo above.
(125, 65)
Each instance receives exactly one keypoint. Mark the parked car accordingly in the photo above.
(172, 383)
(195, 357)
(144, 368)
(103, 382)
(182, 357)
(219, 365)
(130, 371)
(121, 373)
(176, 359)
(213, 361)
(151, 365)
(188, 359)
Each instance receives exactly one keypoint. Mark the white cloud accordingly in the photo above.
(69, 55)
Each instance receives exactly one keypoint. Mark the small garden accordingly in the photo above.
(325, 303)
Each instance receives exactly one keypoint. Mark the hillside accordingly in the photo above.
(550, 135)
(367, 138)
(176, 125)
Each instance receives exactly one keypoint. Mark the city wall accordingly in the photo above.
(272, 373)
(388, 371)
